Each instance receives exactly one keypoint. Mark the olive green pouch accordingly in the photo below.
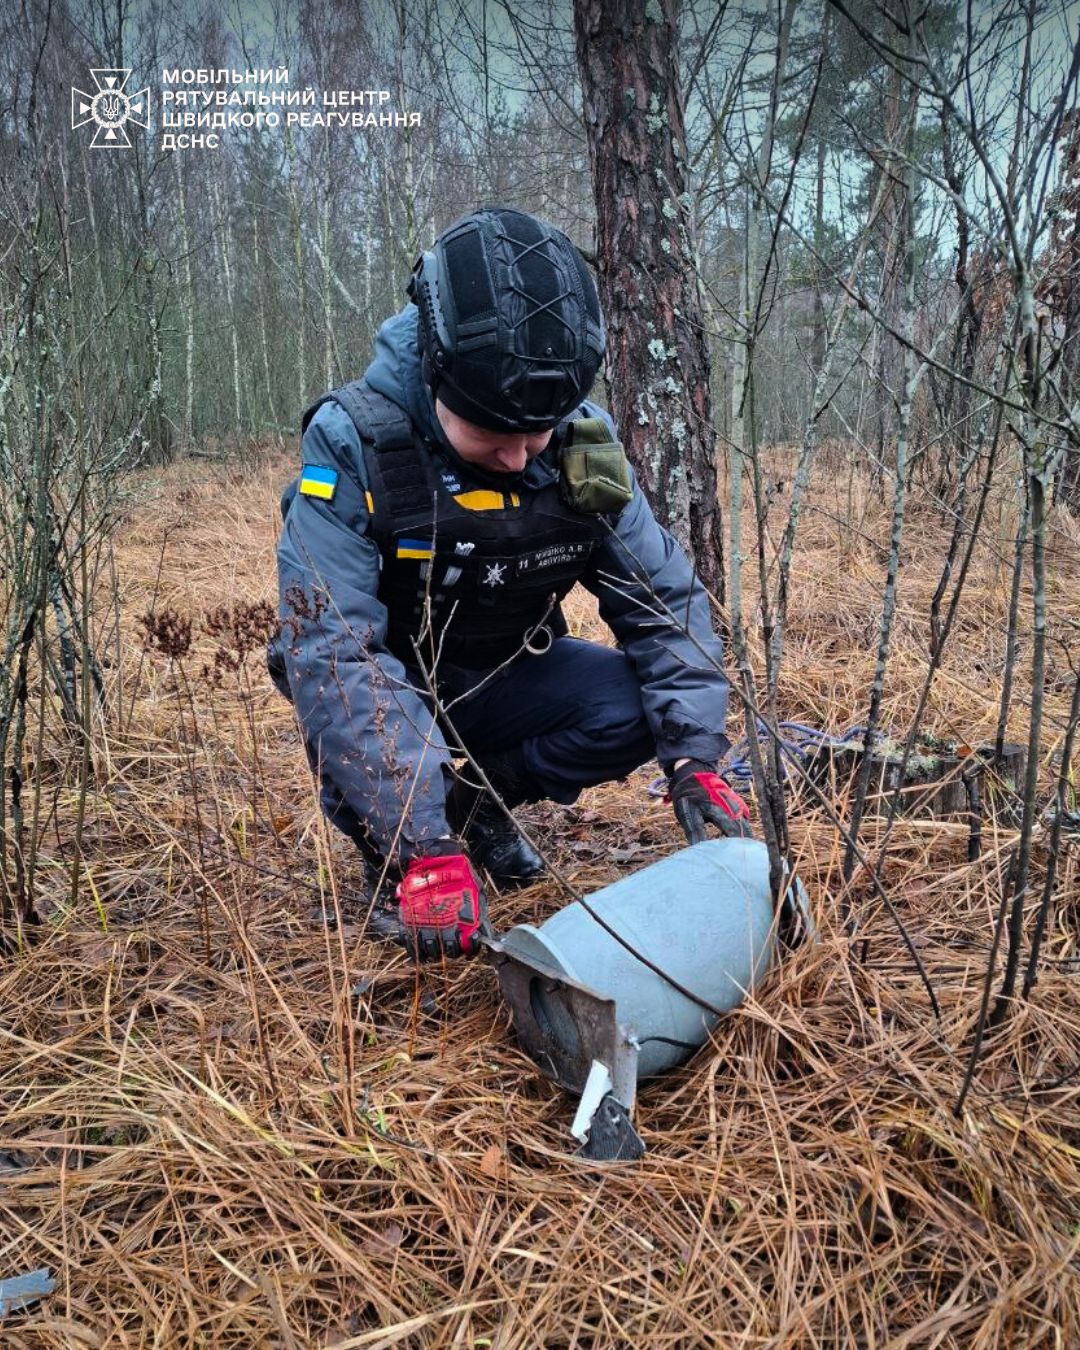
(595, 472)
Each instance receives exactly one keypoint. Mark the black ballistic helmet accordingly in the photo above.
(511, 333)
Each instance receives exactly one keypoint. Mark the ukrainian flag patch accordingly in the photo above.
(413, 548)
(317, 481)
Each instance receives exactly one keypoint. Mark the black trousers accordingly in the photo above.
(566, 720)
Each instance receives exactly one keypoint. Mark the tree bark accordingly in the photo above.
(263, 342)
(223, 208)
(187, 309)
(817, 341)
(658, 357)
(298, 259)
(327, 268)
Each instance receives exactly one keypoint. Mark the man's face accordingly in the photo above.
(496, 451)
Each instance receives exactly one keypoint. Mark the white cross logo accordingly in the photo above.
(109, 108)
(494, 574)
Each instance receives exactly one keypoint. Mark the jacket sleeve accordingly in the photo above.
(367, 727)
(659, 613)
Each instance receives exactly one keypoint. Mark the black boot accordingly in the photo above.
(489, 833)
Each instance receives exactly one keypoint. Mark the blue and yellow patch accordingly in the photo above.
(318, 481)
(413, 548)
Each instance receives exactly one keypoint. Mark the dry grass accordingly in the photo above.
(226, 1123)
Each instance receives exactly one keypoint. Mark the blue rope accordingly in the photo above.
(796, 739)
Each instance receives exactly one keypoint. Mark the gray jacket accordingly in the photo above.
(365, 721)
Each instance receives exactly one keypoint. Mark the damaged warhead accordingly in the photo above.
(594, 1009)
(572, 1033)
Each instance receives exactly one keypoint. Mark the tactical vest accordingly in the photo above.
(472, 575)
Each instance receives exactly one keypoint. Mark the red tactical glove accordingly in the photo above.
(700, 796)
(441, 906)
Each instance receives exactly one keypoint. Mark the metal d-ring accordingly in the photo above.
(538, 640)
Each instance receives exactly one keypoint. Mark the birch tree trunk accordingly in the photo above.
(324, 232)
(817, 341)
(263, 341)
(99, 252)
(187, 309)
(658, 357)
(298, 262)
(369, 249)
(155, 426)
(226, 272)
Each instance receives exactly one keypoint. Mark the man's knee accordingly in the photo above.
(609, 738)
(612, 708)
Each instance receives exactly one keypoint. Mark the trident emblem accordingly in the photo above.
(110, 108)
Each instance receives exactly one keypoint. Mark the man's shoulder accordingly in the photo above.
(331, 422)
(356, 417)
(332, 441)
(369, 409)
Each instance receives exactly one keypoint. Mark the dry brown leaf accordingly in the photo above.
(493, 1164)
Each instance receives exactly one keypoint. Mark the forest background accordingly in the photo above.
(838, 248)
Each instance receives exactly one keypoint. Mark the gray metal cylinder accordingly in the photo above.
(703, 915)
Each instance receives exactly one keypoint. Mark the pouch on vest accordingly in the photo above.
(595, 473)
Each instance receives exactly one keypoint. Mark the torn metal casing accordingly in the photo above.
(564, 1025)
(612, 1137)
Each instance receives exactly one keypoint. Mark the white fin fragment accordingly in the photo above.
(597, 1086)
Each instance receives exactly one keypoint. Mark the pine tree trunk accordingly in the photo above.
(658, 357)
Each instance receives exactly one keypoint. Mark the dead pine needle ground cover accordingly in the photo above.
(227, 1119)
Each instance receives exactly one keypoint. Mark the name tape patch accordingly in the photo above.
(555, 555)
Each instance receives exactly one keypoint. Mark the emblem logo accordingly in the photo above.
(110, 108)
(494, 574)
